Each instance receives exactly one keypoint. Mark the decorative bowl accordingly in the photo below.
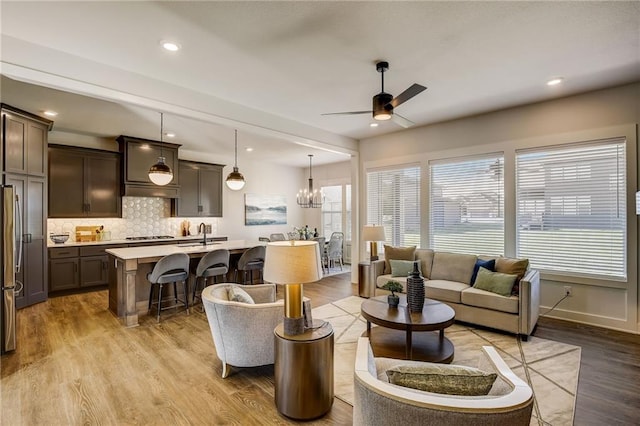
(59, 238)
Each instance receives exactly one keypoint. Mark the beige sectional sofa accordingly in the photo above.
(448, 279)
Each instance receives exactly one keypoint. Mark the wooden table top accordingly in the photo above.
(434, 316)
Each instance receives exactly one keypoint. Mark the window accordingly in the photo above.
(336, 216)
(393, 200)
(571, 205)
(467, 205)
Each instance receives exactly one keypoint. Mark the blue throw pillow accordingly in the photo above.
(486, 264)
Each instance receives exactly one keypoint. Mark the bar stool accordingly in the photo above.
(251, 260)
(213, 264)
(172, 268)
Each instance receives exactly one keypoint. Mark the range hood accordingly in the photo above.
(138, 155)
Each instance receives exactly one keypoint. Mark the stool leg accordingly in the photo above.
(175, 294)
(150, 298)
(159, 307)
(195, 289)
(186, 297)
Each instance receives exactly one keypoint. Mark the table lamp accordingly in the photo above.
(292, 263)
(373, 234)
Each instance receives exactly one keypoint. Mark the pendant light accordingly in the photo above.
(235, 180)
(160, 173)
(309, 197)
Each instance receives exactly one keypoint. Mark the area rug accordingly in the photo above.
(551, 368)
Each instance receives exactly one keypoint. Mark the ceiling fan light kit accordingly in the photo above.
(161, 174)
(384, 103)
(235, 181)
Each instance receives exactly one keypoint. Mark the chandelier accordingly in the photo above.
(309, 197)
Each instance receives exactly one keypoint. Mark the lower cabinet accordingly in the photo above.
(78, 267)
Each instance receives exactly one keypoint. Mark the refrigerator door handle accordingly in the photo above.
(19, 232)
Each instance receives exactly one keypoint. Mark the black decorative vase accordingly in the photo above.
(393, 300)
(415, 290)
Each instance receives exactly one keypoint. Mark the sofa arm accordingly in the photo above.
(378, 268)
(529, 302)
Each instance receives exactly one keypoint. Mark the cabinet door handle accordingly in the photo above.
(88, 207)
(26, 238)
(75, 267)
(200, 209)
(104, 264)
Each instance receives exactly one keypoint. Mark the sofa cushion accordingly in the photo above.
(402, 268)
(236, 294)
(425, 256)
(399, 253)
(507, 265)
(445, 291)
(443, 379)
(453, 267)
(485, 299)
(487, 264)
(494, 282)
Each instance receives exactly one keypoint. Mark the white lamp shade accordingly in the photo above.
(292, 262)
(373, 233)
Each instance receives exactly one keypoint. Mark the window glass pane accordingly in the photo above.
(347, 230)
(332, 210)
(393, 200)
(467, 205)
(571, 213)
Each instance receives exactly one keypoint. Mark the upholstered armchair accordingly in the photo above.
(377, 401)
(242, 332)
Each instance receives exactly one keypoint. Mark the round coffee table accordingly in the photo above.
(395, 337)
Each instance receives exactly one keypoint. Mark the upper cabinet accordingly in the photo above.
(83, 183)
(200, 190)
(138, 156)
(24, 141)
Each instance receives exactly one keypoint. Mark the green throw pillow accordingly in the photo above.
(443, 378)
(236, 294)
(495, 282)
(402, 268)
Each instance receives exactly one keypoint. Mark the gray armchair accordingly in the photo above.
(243, 333)
(377, 401)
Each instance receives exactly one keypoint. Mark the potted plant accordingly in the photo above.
(393, 298)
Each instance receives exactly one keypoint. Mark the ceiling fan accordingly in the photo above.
(384, 103)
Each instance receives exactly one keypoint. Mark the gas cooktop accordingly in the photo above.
(151, 237)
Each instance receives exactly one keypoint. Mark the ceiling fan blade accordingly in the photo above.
(347, 113)
(401, 121)
(403, 97)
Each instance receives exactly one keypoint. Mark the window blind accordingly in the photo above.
(393, 201)
(571, 208)
(467, 205)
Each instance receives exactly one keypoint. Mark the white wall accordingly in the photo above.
(612, 111)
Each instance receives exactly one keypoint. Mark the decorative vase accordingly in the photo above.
(415, 290)
(393, 300)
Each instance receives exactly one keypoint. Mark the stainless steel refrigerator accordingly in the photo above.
(10, 250)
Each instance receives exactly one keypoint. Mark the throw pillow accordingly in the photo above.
(398, 253)
(236, 294)
(518, 267)
(495, 282)
(402, 268)
(443, 378)
(487, 264)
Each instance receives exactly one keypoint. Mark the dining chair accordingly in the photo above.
(277, 237)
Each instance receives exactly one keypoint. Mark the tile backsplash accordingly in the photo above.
(141, 216)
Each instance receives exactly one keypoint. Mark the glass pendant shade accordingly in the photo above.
(235, 180)
(161, 174)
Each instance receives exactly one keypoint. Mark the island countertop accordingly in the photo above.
(128, 292)
(190, 248)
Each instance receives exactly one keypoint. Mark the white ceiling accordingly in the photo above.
(272, 68)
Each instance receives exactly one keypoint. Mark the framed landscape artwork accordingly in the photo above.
(265, 209)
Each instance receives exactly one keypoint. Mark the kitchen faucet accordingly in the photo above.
(203, 227)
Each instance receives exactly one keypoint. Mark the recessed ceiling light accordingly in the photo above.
(373, 125)
(554, 81)
(50, 113)
(248, 149)
(170, 135)
(170, 46)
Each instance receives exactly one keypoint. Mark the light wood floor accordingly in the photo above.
(75, 364)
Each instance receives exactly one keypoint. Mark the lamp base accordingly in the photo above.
(293, 326)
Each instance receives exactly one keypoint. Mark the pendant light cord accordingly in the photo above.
(161, 132)
(236, 150)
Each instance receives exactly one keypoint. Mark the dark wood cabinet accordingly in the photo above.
(25, 142)
(64, 273)
(200, 190)
(78, 267)
(32, 196)
(94, 270)
(83, 183)
(138, 156)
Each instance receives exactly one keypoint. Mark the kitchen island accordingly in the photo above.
(129, 294)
